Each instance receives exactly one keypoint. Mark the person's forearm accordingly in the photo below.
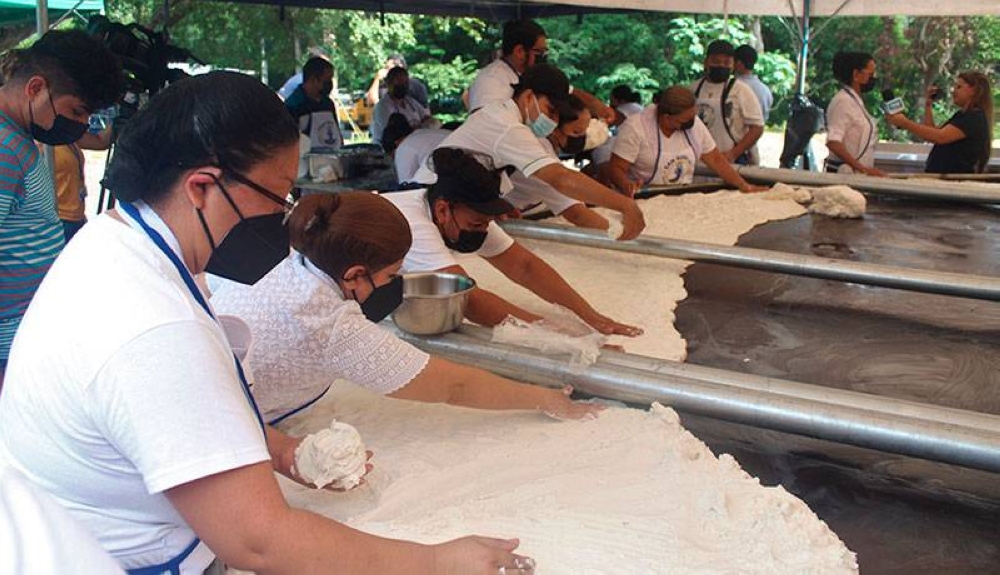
(618, 172)
(840, 149)
(546, 283)
(372, 93)
(489, 309)
(927, 133)
(304, 542)
(472, 387)
(597, 108)
(929, 114)
(583, 217)
(282, 449)
(748, 141)
(718, 164)
(580, 187)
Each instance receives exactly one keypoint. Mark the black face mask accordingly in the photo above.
(383, 299)
(687, 125)
(575, 144)
(718, 73)
(326, 88)
(868, 86)
(63, 130)
(399, 91)
(252, 248)
(468, 241)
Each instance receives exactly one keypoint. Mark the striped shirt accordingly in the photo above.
(31, 235)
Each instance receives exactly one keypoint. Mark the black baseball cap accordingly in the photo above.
(545, 80)
(470, 179)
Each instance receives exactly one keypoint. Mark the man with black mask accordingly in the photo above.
(458, 214)
(728, 107)
(398, 101)
(310, 105)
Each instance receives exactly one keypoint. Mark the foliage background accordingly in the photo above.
(649, 51)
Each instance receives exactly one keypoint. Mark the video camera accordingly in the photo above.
(145, 57)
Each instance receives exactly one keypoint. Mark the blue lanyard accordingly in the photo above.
(193, 288)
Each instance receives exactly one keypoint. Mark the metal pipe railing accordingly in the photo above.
(937, 434)
(925, 189)
(944, 283)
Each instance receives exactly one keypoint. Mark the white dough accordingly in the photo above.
(838, 202)
(628, 492)
(543, 336)
(333, 456)
(782, 191)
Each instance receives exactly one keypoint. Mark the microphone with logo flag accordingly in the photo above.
(890, 103)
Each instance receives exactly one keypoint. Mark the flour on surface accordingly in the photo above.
(636, 289)
(628, 492)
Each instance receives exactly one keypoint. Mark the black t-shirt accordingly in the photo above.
(960, 157)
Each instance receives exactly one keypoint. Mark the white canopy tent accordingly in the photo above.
(796, 8)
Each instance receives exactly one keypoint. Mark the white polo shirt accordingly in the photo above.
(636, 143)
(108, 406)
(848, 122)
(742, 109)
(312, 336)
(429, 252)
(496, 130)
(414, 112)
(494, 83)
(414, 151)
(530, 192)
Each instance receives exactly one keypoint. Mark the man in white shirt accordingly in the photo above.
(398, 101)
(457, 214)
(728, 107)
(508, 132)
(524, 45)
(744, 61)
(409, 148)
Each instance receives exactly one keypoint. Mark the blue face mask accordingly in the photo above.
(543, 125)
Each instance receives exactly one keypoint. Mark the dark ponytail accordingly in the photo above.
(221, 118)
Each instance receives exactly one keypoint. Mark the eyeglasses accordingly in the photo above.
(540, 55)
(287, 205)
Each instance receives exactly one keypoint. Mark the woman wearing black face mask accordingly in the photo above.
(851, 131)
(49, 91)
(661, 146)
(457, 214)
(137, 410)
(399, 101)
(318, 312)
(570, 136)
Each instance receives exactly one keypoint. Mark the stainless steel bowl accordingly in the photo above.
(433, 302)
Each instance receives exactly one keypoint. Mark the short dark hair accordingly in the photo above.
(846, 63)
(520, 33)
(187, 125)
(394, 73)
(544, 80)
(315, 67)
(625, 93)
(571, 110)
(74, 64)
(396, 128)
(723, 47)
(746, 55)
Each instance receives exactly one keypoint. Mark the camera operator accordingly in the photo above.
(49, 93)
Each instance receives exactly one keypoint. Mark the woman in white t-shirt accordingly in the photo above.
(319, 312)
(662, 145)
(851, 132)
(134, 413)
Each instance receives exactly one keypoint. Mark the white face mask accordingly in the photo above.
(543, 125)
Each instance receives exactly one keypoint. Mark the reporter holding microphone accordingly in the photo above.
(962, 144)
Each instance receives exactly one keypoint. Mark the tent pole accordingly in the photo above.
(800, 78)
(42, 16)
